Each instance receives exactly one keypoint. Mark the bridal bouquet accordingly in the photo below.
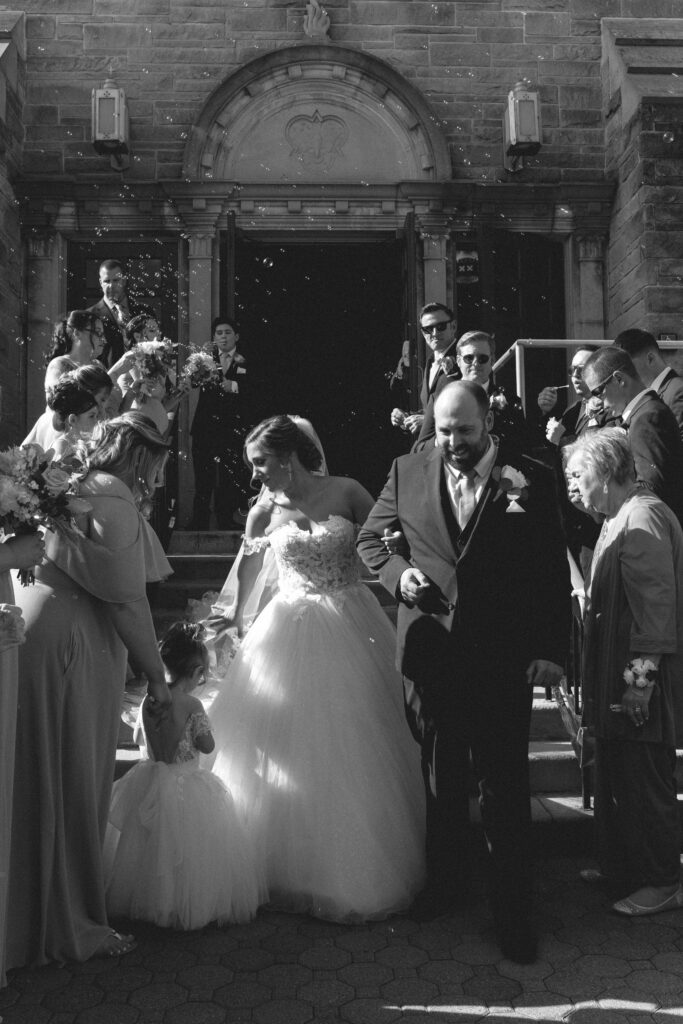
(199, 369)
(34, 491)
(153, 359)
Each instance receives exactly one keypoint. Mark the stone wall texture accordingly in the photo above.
(12, 91)
(169, 55)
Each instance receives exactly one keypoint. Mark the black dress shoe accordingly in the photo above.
(518, 941)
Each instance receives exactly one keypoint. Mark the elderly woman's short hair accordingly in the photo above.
(607, 451)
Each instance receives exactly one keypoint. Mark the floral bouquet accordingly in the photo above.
(35, 492)
(199, 369)
(12, 627)
(153, 359)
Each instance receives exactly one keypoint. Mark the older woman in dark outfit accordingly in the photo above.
(633, 674)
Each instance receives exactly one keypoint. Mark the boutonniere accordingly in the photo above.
(498, 400)
(238, 360)
(448, 365)
(513, 484)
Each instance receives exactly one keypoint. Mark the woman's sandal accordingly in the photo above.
(630, 908)
(116, 944)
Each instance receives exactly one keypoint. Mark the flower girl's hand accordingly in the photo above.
(219, 624)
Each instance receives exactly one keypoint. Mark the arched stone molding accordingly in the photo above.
(317, 114)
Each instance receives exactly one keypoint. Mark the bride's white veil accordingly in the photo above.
(265, 585)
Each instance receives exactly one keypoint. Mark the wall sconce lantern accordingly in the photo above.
(110, 123)
(521, 126)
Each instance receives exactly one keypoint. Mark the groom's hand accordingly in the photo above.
(414, 585)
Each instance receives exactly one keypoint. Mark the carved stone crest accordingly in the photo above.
(315, 140)
(316, 22)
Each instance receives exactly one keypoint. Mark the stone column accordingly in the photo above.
(588, 291)
(434, 230)
(46, 298)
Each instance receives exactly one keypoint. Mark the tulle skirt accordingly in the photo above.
(312, 741)
(175, 851)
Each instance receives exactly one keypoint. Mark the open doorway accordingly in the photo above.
(321, 325)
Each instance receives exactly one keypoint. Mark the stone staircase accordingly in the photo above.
(201, 562)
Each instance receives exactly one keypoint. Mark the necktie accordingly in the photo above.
(467, 498)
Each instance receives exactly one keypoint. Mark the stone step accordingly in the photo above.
(205, 542)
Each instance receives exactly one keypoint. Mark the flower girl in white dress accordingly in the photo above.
(175, 852)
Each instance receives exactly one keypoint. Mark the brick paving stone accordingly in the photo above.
(407, 992)
(27, 1015)
(572, 983)
(401, 956)
(289, 976)
(288, 947)
(363, 944)
(242, 994)
(124, 978)
(47, 979)
(445, 972)
(195, 1013)
(664, 936)
(325, 958)
(603, 966)
(205, 976)
(557, 953)
(541, 1006)
(476, 949)
(369, 1011)
(668, 962)
(72, 999)
(170, 960)
(246, 959)
(525, 973)
(108, 1014)
(283, 1011)
(656, 983)
(492, 988)
(365, 977)
(326, 993)
(158, 996)
(597, 1015)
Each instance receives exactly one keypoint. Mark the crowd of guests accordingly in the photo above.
(311, 798)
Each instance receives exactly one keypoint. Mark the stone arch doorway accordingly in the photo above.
(312, 159)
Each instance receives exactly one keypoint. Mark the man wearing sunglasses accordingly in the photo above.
(475, 356)
(611, 377)
(438, 327)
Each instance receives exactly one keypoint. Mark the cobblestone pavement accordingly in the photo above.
(594, 968)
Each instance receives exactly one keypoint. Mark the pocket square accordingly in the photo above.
(515, 507)
(240, 369)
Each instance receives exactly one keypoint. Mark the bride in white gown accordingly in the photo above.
(310, 732)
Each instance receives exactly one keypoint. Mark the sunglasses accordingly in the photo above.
(599, 390)
(430, 328)
(576, 371)
(476, 357)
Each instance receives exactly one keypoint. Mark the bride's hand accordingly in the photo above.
(219, 624)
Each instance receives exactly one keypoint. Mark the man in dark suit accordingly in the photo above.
(653, 432)
(482, 581)
(438, 326)
(219, 427)
(647, 358)
(115, 310)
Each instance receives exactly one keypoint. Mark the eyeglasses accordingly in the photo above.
(599, 390)
(576, 371)
(430, 328)
(476, 357)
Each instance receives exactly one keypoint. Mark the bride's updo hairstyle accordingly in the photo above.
(182, 649)
(67, 398)
(63, 335)
(280, 436)
(129, 445)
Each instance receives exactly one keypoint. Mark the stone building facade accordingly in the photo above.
(270, 139)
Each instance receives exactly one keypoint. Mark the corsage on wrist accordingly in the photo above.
(641, 673)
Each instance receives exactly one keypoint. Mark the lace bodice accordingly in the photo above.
(316, 563)
(196, 725)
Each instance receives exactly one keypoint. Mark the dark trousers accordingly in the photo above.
(223, 476)
(488, 726)
(636, 814)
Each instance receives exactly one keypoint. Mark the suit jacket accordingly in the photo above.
(671, 393)
(428, 395)
(218, 410)
(502, 591)
(114, 347)
(657, 449)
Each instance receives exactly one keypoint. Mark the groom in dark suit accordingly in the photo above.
(482, 582)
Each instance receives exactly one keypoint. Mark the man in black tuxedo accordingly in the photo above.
(438, 327)
(647, 358)
(115, 309)
(482, 582)
(653, 432)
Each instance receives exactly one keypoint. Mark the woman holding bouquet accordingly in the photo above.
(87, 607)
(632, 672)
